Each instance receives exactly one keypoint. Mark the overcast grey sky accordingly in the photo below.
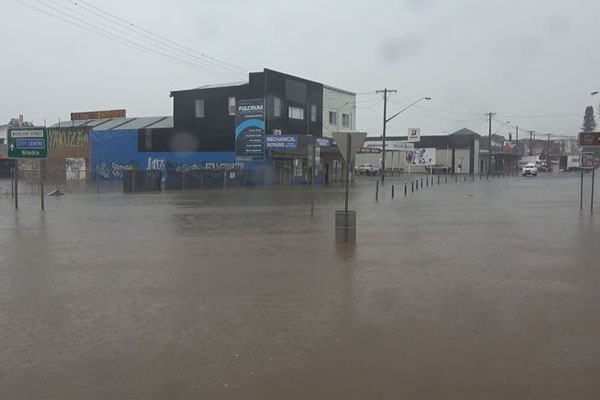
(512, 57)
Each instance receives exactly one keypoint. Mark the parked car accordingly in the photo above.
(529, 169)
(366, 169)
(437, 169)
(544, 167)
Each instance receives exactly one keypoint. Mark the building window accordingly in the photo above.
(295, 112)
(332, 118)
(346, 120)
(200, 108)
(148, 141)
(277, 106)
(231, 106)
(313, 113)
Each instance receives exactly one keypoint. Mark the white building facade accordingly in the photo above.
(339, 111)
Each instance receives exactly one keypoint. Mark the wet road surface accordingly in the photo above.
(468, 290)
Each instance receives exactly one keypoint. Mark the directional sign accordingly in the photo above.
(589, 139)
(27, 142)
(587, 160)
(357, 140)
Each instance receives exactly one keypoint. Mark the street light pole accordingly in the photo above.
(386, 120)
(385, 95)
(490, 142)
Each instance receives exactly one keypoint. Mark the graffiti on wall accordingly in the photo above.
(68, 138)
(115, 171)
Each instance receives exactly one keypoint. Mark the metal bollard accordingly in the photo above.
(427, 182)
(455, 178)
(417, 184)
(421, 183)
(312, 208)
(446, 179)
(377, 190)
(392, 191)
(405, 189)
(438, 180)
(412, 186)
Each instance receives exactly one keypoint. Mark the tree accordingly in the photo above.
(589, 120)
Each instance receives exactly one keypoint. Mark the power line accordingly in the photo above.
(86, 25)
(542, 116)
(131, 26)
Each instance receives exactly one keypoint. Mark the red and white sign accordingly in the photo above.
(414, 134)
(589, 139)
(587, 160)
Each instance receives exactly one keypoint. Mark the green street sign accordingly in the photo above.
(27, 142)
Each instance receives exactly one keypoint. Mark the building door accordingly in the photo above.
(283, 172)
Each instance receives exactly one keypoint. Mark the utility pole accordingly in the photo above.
(530, 142)
(385, 95)
(490, 115)
(548, 151)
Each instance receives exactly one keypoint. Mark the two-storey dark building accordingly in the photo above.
(292, 106)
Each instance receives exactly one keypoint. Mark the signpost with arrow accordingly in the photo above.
(345, 221)
(27, 143)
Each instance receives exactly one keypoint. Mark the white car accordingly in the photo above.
(529, 169)
(366, 169)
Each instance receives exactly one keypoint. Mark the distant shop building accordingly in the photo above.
(463, 151)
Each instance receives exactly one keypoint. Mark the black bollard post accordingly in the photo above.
(312, 209)
(392, 191)
(427, 182)
(446, 179)
(455, 178)
(412, 186)
(405, 189)
(421, 183)
(417, 184)
(465, 178)
(377, 190)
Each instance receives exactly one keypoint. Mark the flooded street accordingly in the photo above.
(462, 290)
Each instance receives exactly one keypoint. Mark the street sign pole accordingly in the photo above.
(348, 144)
(42, 165)
(593, 179)
(348, 165)
(16, 184)
(581, 192)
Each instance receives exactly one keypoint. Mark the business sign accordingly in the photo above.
(322, 142)
(250, 130)
(589, 139)
(421, 157)
(281, 142)
(587, 160)
(369, 150)
(414, 134)
(389, 145)
(27, 142)
(86, 115)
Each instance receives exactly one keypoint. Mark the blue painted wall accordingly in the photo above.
(115, 150)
